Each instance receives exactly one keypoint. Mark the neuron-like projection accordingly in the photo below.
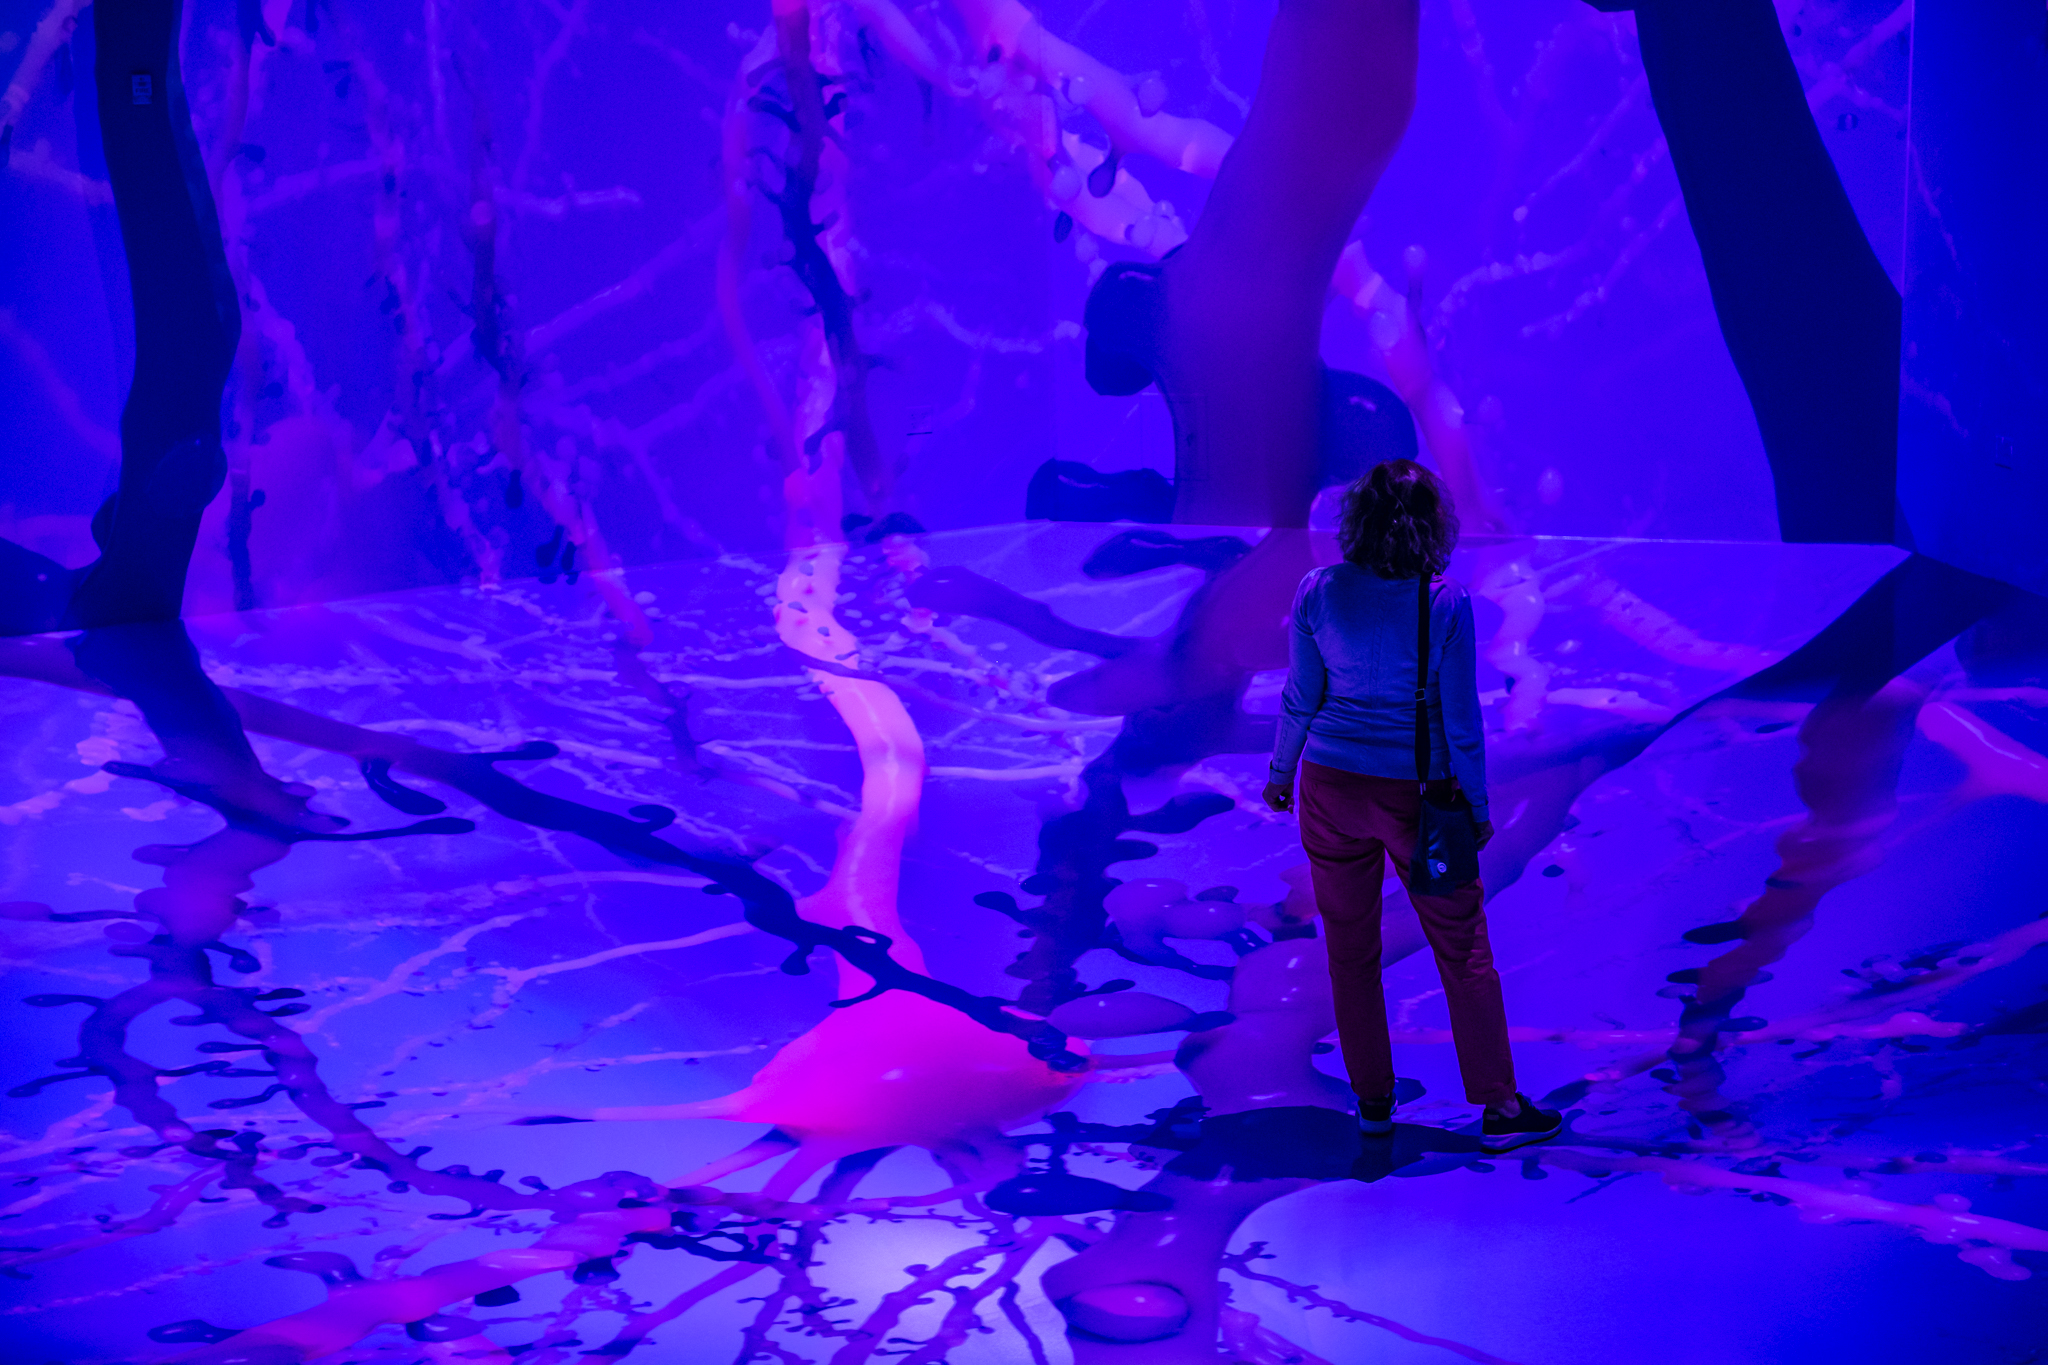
(772, 753)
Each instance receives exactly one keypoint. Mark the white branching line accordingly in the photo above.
(559, 206)
(1048, 771)
(796, 680)
(1626, 257)
(297, 185)
(1834, 77)
(52, 33)
(1637, 88)
(1906, 1024)
(399, 978)
(809, 745)
(792, 780)
(514, 979)
(498, 739)
(1840, 1021)
(64, 1132)
(37, 164)
(1833, 81)
(1948, 1222)
(617, 375)
(62, 396)
(701, 236)
(493, 1087)
(973, 340)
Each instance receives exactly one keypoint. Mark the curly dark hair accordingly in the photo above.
(1398, 521)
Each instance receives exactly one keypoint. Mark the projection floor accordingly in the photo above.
(1885, 1206)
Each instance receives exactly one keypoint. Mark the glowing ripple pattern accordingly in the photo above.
(726, 1164)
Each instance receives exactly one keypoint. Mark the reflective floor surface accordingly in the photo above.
(730, 1166)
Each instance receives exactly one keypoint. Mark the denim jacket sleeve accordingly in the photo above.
(1464, 724)
(1307, 679)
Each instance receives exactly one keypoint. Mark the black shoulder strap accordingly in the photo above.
(1422, 681)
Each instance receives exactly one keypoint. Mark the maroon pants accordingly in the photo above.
(1348, 821)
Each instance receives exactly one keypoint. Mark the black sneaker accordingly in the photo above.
(1529, 1124)
(1376, 1117)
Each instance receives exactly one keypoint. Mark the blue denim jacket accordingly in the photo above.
(1350, 696)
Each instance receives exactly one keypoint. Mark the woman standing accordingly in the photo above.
(1351, 707)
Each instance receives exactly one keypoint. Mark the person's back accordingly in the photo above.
(1363, 719)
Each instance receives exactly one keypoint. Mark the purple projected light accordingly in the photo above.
(825, 916)
(455, 984)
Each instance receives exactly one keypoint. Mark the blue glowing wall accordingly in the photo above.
(1973, 431)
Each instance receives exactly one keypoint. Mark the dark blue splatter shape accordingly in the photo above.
(1102, 179)
(377, 772)
(240, 817)
(895, 524)
(1051, 1189)
(596, 1270)
(765, 904)
(962, 592)
(442, 1327)
(1124, 317)
(332, 1267)
(652, 817)
(1176, 1128)
(1362, 422)
(1055, 1191)
(706, 1245)
(1136, 552)
(1189, 731)
(1074, 853)
(801, 106)
(1067, 490)
(546, 554)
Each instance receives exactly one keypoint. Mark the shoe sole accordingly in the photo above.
(1375, 1127)
(1507, 1142)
